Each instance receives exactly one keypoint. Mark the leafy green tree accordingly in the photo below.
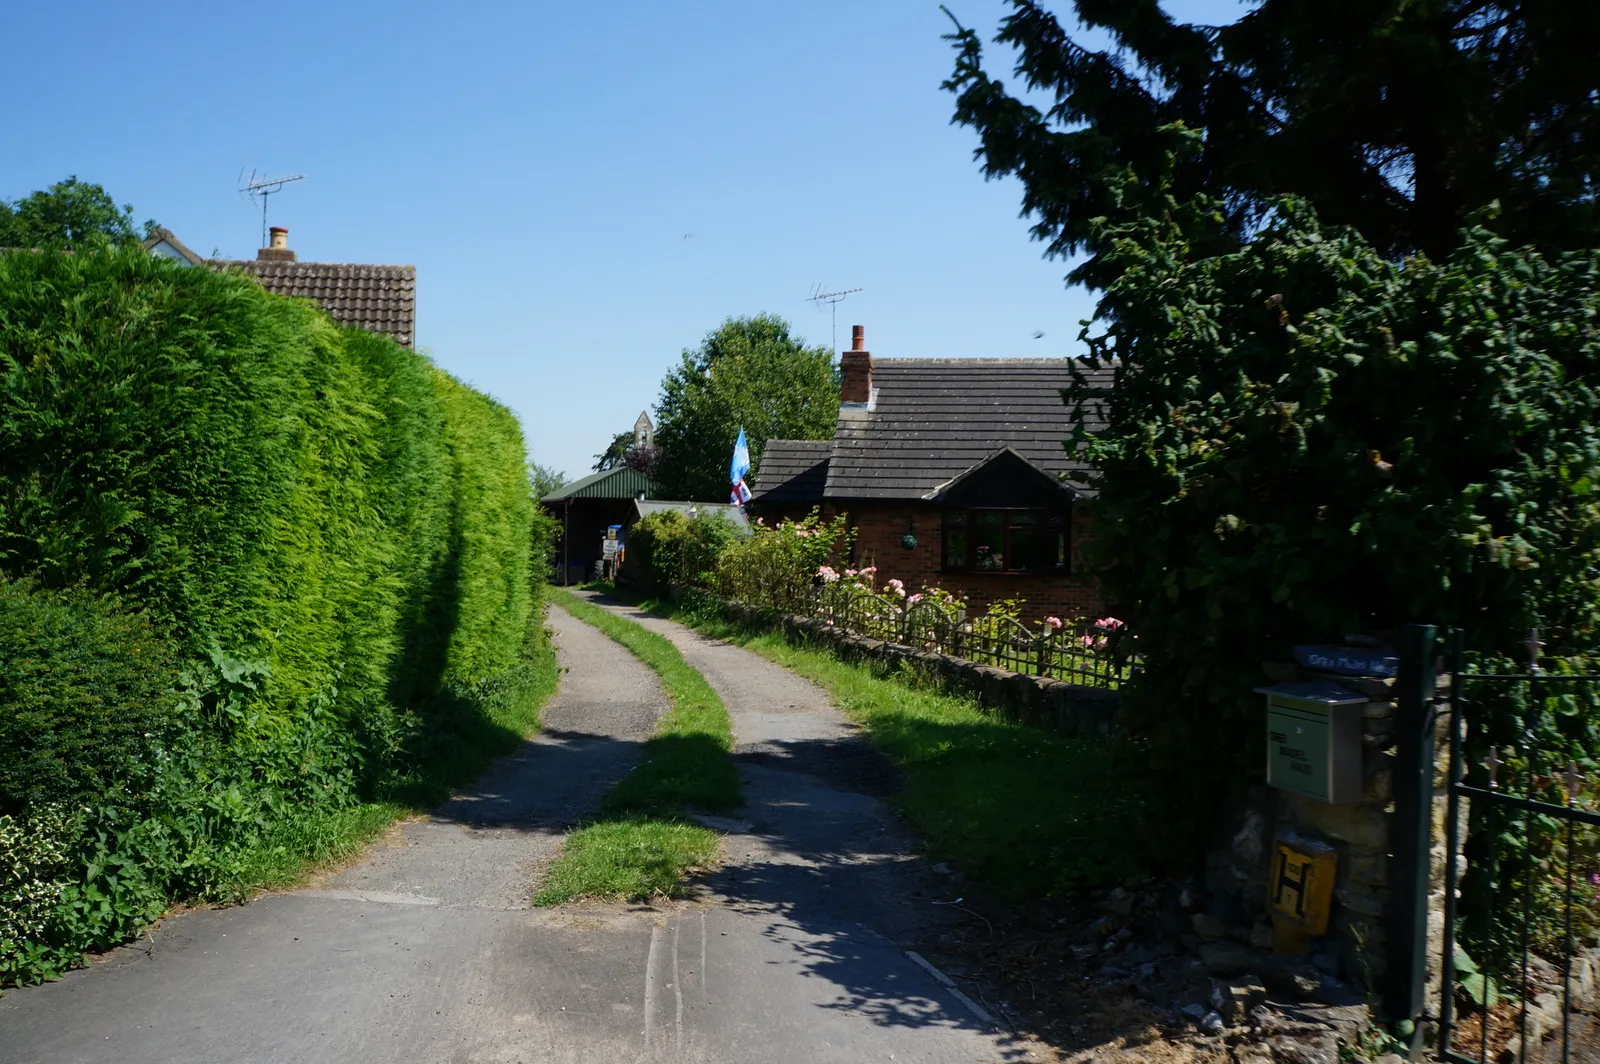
(750, 373)
(543, 479)
(67, 214)
(1399, 119)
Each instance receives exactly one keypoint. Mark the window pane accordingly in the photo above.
(1024, 549)
(1061, 550)
(989, 542)
(955, 518)
(1024, 520)
(955, 549)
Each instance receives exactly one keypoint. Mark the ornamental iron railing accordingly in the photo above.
(1084, 653)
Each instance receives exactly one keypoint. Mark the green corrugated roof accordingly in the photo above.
(620, 483)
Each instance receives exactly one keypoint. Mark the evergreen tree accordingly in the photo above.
(1398, 119)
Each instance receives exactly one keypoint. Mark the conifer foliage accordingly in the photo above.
(251, 564)
(1399, 119)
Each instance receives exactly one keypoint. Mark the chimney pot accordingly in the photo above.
(855, 369)
(277, 249)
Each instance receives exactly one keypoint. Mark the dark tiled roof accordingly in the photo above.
(792, 471)
(933, 419)
(380, 299)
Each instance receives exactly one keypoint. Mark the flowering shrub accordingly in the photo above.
(777, 565)
(35, 864)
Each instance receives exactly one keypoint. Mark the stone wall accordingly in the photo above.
(1356, 947)
(1034, 700)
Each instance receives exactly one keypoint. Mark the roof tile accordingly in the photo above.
(380, 299)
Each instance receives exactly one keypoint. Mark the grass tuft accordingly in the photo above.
(647, 848)
(632, 859)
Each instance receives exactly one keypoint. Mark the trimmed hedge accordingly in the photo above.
(329, 542)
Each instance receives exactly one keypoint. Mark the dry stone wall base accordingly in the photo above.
(1356, 945)
(1038, 701)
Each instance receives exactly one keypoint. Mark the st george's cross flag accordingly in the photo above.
(737, 470)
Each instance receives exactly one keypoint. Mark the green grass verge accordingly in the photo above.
(644, 847)
(1028, 813)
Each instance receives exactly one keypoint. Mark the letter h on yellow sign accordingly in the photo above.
(1300, 892)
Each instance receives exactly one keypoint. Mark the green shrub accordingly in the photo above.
(83, 689)
(671, 549)
(1307, 439)
(776, 566)
(330, 545)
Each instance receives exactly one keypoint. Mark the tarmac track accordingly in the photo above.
(428, 950)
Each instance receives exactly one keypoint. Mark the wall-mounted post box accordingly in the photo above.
(1314, 740)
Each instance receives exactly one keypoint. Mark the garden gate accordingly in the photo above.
(1521, 866)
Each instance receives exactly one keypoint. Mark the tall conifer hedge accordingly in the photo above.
(325, 545)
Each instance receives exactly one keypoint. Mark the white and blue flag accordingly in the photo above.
(737, 471)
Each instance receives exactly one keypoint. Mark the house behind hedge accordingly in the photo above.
(953, 473)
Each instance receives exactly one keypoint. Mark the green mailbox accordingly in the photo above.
(1314, 740)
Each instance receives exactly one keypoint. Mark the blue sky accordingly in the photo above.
(585, 189)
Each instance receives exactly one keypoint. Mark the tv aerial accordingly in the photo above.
(260, 187)
(819, 299)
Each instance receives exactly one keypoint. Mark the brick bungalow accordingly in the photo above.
(952, 474)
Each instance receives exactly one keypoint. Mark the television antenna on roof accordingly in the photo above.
(832, 301)
(262, 187)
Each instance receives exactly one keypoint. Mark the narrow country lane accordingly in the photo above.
(427, 950)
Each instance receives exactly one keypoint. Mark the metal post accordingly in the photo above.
(1411, 831)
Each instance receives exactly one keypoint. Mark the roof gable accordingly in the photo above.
(165, 243)
(932, 420)
(1004, 480)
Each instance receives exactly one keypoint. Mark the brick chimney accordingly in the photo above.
(277, 249)
(855, 369)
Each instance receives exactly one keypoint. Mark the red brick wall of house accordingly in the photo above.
(880, 528)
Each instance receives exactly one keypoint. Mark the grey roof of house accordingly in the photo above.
(933, 419)
(380, 299)
(618, 483)
(735, 515)
(792, 471)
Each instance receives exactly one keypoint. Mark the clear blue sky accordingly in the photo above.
(585, 189)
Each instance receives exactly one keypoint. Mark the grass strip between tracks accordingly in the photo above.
(644, 844)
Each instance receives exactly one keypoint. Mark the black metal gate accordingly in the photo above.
(1522, 868)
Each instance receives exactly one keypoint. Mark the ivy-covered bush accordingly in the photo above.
(254, 568)
(1306, 439)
